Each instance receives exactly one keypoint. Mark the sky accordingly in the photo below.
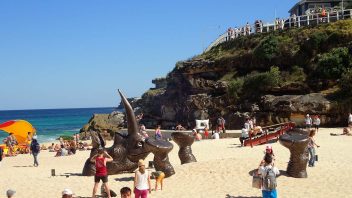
(77, 53)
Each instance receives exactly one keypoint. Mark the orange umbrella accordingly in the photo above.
(19, 128)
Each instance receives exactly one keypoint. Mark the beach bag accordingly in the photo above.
(256, 181)
(269, 180)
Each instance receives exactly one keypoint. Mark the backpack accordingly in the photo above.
(269, 180)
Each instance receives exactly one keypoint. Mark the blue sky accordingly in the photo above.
(77, 53)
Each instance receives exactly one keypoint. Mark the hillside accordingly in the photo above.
(275, 76)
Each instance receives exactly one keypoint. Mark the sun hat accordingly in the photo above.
(10, 192)
(141, 162)
(67, 192)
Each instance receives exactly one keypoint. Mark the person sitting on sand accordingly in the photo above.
(62, 152)
(57, 148)
(159, 178)
(197, 136)
(345, 131)
(216, 135)
(51, 147)
(125, 192)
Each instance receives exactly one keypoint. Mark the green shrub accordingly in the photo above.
(235, 88)
(66, 137)
(332, 64)
(317, 39)
(297, 74)
(268, 48)
(345, 83)
(258, 83)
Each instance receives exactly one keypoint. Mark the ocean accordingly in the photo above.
(51, 123)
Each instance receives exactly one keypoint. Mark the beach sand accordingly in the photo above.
(223, 170)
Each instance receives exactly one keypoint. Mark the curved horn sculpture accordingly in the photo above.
(297, 143)
(131, 118)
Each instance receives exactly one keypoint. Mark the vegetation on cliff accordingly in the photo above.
(315, 56)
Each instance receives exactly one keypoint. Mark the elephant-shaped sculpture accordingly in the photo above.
(184, 141)
(296, 141)
(128, 149)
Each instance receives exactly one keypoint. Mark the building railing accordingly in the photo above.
(282, 24)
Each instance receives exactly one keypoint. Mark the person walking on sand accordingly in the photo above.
(268, 173)
(141, 181)
(308, 122)
(316, 122)
(100, 159)
(34, 150)
(311, 149)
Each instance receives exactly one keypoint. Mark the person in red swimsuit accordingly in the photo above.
(101, 172)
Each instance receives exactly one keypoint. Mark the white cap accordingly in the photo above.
(67, 192)
(34, 137)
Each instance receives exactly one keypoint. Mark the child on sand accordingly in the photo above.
(101, 171)
(159, 178)
(141, 181)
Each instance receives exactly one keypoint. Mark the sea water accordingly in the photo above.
(52, 123)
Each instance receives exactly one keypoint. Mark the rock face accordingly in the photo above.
(109, 122)
(195, 91)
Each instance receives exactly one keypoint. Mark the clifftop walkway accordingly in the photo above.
(282, 24)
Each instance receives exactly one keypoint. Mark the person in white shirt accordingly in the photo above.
(263, 170)
(308, 122)
(350, 121)
(142, 181)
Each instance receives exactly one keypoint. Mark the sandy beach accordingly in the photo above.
(223, 170)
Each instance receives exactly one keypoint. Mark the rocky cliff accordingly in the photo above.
(276, 77)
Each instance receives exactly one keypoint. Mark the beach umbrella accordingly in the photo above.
(19, 128)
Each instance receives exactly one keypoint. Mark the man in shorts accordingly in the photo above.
(101, 173)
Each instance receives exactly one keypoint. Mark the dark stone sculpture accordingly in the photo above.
(127, 150)
(296, 141)
(184, 141)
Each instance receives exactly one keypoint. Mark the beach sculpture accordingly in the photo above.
(184, 141)
(128, 149)
(296, 141)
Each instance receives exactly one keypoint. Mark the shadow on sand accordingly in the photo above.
(229, 196)
(124, 179)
